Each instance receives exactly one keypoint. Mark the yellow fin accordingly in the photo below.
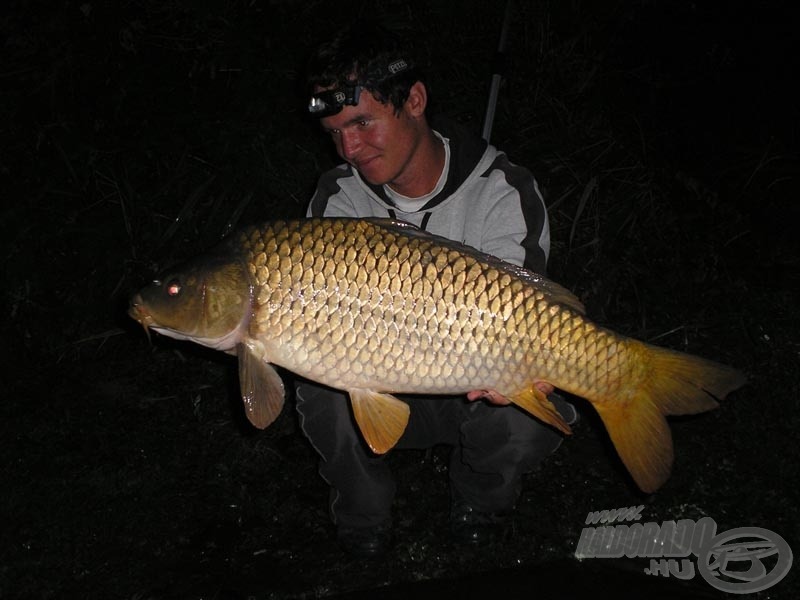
(641, 436)
(534, 401)
(381, 418)
(674, 383)
(261, 388)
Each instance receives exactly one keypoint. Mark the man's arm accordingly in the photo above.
(516, 228)
(329, 200)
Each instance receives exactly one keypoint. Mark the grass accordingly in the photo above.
(140, 134)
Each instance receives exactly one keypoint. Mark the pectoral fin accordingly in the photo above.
(261, 387)
(381, 418)
(534, 401)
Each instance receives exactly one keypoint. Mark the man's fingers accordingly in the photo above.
(490, 395)
(496, 397)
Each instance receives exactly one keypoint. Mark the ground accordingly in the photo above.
(664, 136)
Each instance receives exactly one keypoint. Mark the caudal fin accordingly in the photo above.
(673, 384)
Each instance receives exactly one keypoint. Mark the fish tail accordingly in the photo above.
(667, 383)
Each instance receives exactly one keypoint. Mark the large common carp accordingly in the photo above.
(376, 307)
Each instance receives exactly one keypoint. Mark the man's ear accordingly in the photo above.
(417, 100)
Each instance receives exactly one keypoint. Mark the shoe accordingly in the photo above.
(365, 542)
(566, 409)
(471, 526)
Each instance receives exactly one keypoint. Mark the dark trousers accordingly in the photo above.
(493, 446)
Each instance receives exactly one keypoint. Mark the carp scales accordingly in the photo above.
(376, 307)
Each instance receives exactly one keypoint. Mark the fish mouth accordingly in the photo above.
(139, 313)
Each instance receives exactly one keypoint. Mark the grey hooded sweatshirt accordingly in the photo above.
(482, 200)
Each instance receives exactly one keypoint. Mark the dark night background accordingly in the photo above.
(665, 137)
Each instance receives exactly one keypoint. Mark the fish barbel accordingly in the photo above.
(375, 307)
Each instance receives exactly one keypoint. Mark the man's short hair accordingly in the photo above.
(365, 53)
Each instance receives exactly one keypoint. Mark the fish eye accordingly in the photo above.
(174, 287)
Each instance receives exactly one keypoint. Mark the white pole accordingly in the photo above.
(497, 76)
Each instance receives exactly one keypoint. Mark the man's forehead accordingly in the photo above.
(367, 108)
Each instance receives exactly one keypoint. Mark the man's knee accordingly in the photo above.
(315, 401)
(509, 434)
(325, 418)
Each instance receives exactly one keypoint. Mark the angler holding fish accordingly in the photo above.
(364, 306)
(371, 99)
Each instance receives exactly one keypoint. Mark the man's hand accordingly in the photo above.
(496, 397)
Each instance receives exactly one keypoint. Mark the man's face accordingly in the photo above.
(373, 139)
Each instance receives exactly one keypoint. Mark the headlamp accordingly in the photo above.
(330, 102)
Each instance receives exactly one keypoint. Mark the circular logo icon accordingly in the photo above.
(732, 560)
